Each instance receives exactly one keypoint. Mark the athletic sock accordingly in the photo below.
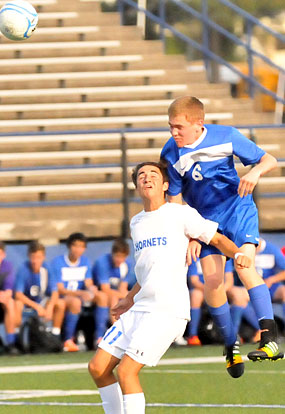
(261, 302)
(134, 403)
(236, 314)
(10, 338)
(250, 316)
(193, 325)
(222, 318)
(101, 318)
(112, 399)
(71, 320)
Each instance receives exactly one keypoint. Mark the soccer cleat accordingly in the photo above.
(70, 346)
(194, 341)
(268, 348)
(269, 352)
(235, 365)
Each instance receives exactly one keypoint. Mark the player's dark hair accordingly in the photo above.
(74, 237)
(2, 246)
(161, 165)
(35, 246)
(120, 245)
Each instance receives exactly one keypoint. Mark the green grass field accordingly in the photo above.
(175, 386)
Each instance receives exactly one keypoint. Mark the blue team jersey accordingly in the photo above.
(72, 275)
(104, 271)
(205, 174)
(269, 261)
(36, 286)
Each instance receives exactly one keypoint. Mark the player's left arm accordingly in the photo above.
(248, 182)
(230, 249)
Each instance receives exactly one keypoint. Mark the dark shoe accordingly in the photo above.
(268, 348)
(12, 350)
(235, 365)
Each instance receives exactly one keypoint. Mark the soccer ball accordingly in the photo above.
(18, 19)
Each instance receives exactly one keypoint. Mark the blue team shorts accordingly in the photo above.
(241, 227)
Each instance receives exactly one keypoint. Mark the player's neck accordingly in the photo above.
(152, 205)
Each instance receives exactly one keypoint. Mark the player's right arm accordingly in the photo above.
(126, 303)
(32, 304)
(230, 249)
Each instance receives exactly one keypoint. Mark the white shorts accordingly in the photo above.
(143, 336)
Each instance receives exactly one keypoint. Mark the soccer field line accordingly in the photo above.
(165, 405)
(84, 365)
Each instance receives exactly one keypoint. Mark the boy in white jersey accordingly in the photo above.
(155, 312)
(200, 163)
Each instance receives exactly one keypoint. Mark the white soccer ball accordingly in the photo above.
(18, 19)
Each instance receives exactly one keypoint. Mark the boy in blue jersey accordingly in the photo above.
(200, 161)
(7, 280)
(112, 272)
(75, 287)
(35, 288)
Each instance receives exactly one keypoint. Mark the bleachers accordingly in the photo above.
(81, 70)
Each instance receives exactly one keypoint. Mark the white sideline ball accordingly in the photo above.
(18, 19)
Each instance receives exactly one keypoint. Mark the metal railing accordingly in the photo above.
(204, 47)
(128, 195)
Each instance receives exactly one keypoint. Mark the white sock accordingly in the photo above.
(112, 399)
(134, 403)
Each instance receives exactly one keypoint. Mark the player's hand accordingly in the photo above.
(247, 183)
(86, 296)
(193, 251)
(121, 307)
(242, 261)
(41, 311)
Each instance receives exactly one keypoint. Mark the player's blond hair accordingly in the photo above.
(189, 106)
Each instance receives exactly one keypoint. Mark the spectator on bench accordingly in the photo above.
(113, 272)
(75, 286)
(35, 288)
(7, 280)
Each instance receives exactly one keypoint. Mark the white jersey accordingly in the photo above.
(160, 240)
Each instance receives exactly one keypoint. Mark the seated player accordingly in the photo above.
(7, 280)
(35, 288)
(75, 287)
(112, 272)
(196, 282)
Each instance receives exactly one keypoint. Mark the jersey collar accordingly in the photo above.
(199, 140)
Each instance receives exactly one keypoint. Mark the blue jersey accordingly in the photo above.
(269, 261)
(205, 174)
(36, 286)
(104, 271)
(72, 275)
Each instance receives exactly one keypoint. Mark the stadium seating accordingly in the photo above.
(81, 70)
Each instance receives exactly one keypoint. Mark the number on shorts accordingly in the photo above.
(114, 338)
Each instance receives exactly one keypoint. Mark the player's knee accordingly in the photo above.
(95, 370)
(213, 281)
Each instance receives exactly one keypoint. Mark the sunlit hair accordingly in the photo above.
(120, 245)
(191, 107)
(35, 246)
(160, 165)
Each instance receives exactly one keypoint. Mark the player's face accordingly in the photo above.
(76, 250)
(118, 258)
(36, 260)
(150, 182)
(184, 131)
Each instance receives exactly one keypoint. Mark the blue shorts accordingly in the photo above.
(241, 228)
